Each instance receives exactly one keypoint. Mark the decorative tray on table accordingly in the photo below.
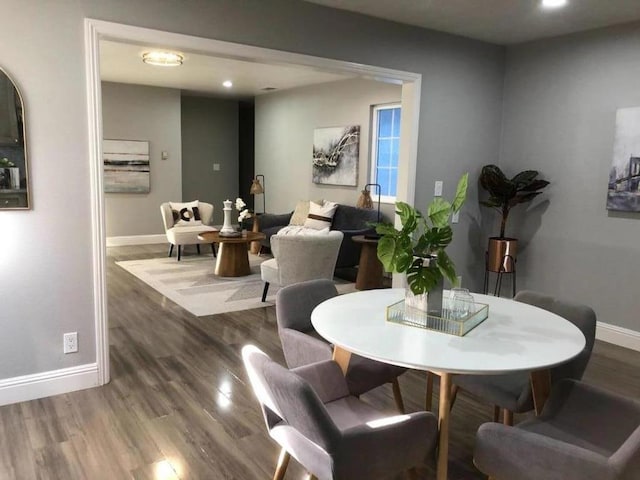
(400, 313)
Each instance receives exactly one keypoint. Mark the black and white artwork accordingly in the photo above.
(624, 177)
(126, 166)
(336, 152)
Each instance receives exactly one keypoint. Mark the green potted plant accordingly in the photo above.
(504, 194)
(418, 248)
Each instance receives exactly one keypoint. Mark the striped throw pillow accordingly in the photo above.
(320, 216)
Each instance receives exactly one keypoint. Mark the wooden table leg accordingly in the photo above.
(232, 260)
(342, 357)
(369, 268)
(540, 388)
(443, 425)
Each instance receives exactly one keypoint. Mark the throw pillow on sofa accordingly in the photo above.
(185, 214)
(301, 212)
(320, 216)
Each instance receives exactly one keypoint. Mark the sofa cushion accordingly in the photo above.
(320, 216)
(352, 218)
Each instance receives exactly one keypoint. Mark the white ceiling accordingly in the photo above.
(202, 74)
(497, 21)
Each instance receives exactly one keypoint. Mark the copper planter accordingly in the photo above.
(501, 254)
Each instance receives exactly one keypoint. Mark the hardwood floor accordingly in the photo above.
(179, 406)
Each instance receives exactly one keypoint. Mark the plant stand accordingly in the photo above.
(507, 266)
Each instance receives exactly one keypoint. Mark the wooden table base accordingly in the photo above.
(232, 260)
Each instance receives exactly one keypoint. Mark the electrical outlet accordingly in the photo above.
(437, 191)
(70, 342)
(164, 155)
(216, 167)
(455, 218)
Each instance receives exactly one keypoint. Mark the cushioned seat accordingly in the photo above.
(308, 411)
(583, 433)
(185, 234)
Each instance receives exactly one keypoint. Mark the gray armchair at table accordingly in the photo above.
(302, 345)
(309, 412)
(584, 433)
(512, 392)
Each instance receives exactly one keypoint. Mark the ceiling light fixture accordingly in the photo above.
(553, 3)
(227, 84)
(162, 59)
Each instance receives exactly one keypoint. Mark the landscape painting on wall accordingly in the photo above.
(336, 152)
(126, 166)
(624, 177)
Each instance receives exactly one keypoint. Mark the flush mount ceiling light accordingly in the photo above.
(227, 84)
(162, 59)
(553, 3)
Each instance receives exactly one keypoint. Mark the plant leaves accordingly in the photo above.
(524, 178)
(461, 193)
(446, 266)
(525, 197)
(436, 238)
(385, 229)
(423, 279)
(535, 185)
(439, 211)
(408, 216)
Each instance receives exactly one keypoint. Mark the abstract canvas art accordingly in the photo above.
(336, 152)
(126, 166)
(624, 177)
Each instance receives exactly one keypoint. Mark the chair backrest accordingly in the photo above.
(294, 303)
(285, 397)
(581, 316)
(205, 209)
(306, 257)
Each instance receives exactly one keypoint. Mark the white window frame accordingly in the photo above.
(374, 151)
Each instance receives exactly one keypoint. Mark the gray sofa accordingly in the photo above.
(349, 220)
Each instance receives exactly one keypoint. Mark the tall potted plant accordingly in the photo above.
(418, 248)
(504, 194)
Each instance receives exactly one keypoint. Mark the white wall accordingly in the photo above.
(284, 124)
(42, 48)
(135, 112)
(561, 97)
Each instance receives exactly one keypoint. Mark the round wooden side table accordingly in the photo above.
(233, 256)
(369, 267)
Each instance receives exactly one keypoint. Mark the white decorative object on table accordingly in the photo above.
(226, 227)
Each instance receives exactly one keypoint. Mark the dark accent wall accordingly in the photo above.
(246, 150)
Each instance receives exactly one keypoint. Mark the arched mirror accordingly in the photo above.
(14, 177)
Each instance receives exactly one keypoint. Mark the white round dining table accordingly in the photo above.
(515, 337)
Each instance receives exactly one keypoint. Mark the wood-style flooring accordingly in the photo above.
(179, 406)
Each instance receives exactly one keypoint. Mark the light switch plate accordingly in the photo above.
(216, 167)
(164, 155)
(437, 191)
(455, 218)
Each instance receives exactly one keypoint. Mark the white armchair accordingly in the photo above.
(180, 235)
(298, 258)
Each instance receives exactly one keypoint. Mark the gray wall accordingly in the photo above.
(284, 124)
(135, 112)
(561, 97)
(459, 131)
(209, 135)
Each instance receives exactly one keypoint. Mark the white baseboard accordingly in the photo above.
(46, 384)
(136, 240)
(618, 336)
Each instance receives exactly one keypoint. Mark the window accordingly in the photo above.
(385, 143)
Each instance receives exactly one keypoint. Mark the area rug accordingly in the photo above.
(192, 284)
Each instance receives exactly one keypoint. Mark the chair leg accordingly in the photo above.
(198, 248)
(428, 398)
(507, 417)
(179, 252)
(170, 249)
(283, 463)
(397, 395)
(264, 292)
(213, 249)
(496, 413)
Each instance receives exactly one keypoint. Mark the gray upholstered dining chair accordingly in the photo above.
(302, 344)
(512, 392)
(300, 257)
(311, 415)
(583, 433)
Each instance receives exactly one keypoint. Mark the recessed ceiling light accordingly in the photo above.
(553, 3)
(227, 84)
(162, 59)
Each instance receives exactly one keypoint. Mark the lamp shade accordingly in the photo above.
(256, 187)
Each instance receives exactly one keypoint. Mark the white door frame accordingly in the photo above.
(98, 29)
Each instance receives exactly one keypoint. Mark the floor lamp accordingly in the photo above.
(373, 236)
(257, 188)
